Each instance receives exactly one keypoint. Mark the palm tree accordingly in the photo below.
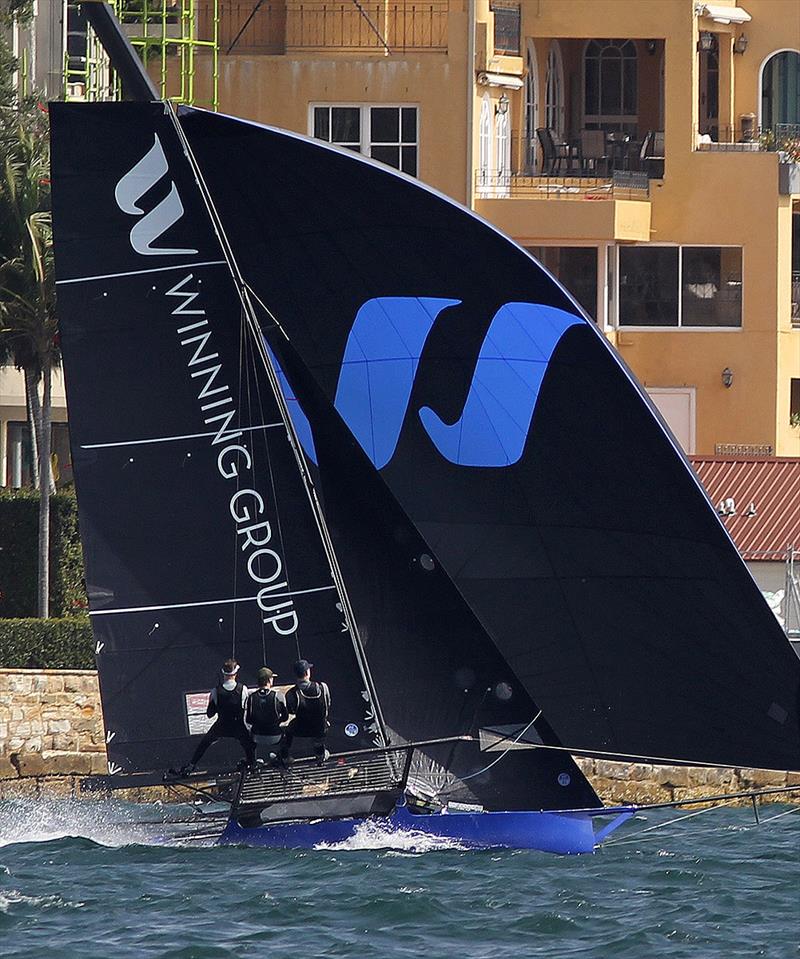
(28, 326)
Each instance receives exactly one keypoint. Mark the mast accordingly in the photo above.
(257, 337)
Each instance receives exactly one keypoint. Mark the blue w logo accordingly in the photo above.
(380, 364)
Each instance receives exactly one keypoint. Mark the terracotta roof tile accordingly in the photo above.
(772, 485)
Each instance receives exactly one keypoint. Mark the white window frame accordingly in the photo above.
(678, 328)
(531, 107)
(604, 120)
(365, 126)
(554, 106)
(502, 140)
(485, 147)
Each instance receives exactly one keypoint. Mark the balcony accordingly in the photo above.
(599, 109)
(289, 26)
(612, 208)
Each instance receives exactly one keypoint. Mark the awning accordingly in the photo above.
(500, 80)
(720, 14)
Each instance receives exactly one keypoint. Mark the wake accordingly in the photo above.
(374, 835)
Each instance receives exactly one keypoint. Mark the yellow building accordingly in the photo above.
(662, 203)
(640, 148)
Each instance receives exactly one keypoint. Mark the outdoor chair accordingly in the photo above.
(593, 152)
(651, 155)
(554, 152)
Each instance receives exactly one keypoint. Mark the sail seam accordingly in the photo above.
(169, 439)
(154, 269)
(207, 602)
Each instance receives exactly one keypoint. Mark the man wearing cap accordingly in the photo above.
(227, 703)
(265, 711)
(310, 703)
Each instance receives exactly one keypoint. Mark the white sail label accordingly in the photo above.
(196, 720)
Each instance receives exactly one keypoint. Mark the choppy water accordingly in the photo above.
(87, 880)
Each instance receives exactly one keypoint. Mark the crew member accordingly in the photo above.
(226, 702)
(264, 713)
(310, 703)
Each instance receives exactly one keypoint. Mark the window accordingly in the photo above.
(506, 28)
(531, 107)
(576, 268)
(503, 139)
(780, 89)
(19, 469)
(485, 142)
(385, 133)
(610, 85)
(554, 91)
(794, 403)
(690, 286)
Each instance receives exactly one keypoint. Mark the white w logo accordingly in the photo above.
(133, 186)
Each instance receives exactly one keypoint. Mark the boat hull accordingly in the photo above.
(562, 833)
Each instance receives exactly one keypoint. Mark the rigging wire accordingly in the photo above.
(278, 523)
(497, 759)
(629, 838)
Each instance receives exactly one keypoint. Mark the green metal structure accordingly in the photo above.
(169, 35)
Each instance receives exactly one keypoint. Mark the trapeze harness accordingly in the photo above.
(265, 712)
(310, 704)
(230, 716)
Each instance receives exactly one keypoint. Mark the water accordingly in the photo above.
(85, 880)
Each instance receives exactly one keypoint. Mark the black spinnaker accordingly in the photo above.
(529, 460)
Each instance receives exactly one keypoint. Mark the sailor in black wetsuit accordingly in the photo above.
(264, 713)
(226, 702)
(310, 703)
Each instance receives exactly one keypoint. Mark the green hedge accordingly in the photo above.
(47, 643)
(19, 536)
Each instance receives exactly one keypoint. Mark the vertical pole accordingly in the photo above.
(754, 800)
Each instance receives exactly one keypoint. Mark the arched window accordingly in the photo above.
(554, 91)
(610, 94)
(503, 140)
(780, 89)
(485, 143)
(531, 107)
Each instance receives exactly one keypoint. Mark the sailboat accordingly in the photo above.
(320, 411)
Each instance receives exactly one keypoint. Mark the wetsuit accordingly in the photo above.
(310, 703)
(263, 715)
(227, 702)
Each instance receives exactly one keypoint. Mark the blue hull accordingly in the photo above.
(564, 833)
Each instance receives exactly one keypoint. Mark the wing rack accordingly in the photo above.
(363, 783)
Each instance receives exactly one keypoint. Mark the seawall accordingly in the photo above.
(51, 737)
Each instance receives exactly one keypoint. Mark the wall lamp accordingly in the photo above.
(727, 377)
(706, 41)
(502, 105)
(740, 43)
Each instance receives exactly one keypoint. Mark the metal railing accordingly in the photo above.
(383, 27)
(621, 185)
(748, 138)
(795, 298)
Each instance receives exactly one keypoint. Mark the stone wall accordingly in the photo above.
(51, 725)
(51, 735)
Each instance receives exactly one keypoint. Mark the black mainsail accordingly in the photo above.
(508, 431)
(199, 536)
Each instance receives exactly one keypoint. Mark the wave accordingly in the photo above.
(105, 822)
(12, 897)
